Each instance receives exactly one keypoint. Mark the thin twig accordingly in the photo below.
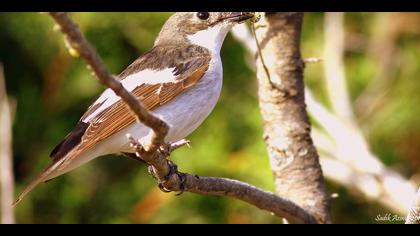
(78, 43)
(413, 216)
(267, 72)
(6, 166)
(351, 149)
(157, 158)
(312, 60)
(334, 66)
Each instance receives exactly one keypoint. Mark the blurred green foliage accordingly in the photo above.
(53, 90)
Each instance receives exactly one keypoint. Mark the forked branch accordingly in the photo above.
(157, 158)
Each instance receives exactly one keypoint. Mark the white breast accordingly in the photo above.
(183, 114)
(190, 109)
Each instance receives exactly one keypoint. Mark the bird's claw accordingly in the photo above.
(165, 150)
(173, 169)
(163, 189)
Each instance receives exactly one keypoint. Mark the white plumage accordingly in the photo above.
(183, 114)
(183, 111)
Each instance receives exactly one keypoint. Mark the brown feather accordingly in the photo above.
(119, 116)
(190, 63)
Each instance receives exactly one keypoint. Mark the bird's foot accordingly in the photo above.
(164, 150)
(173, 170)
(168, 148)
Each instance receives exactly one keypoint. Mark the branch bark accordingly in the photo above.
(78, 43)
(414, 213)
(223, 187)
(157, 158)
(346, 157)
(334, 66)
(293, 157)
(6, 167)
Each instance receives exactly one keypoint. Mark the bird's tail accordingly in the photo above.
(44, 176)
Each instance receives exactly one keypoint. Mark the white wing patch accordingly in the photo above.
(108, 97)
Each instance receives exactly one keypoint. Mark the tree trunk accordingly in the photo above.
(293, 157)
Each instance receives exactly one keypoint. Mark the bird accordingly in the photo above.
(179, 80)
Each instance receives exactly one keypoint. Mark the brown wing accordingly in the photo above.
(189, 63)
(118, 116)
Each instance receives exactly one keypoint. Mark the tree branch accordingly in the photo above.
(376, 181)
(223, 187)
(414, 213)
(6, 166)
(78, 43)
(347, 153)
(351, 146)
(293, 157)
(153, 155)
(334, 34)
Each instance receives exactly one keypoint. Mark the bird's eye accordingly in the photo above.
(203, 15)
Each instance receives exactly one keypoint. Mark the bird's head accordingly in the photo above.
(207, 29)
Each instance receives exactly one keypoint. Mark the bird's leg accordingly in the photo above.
(173, 169)
(165, 150)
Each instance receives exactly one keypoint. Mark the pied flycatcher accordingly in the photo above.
(179, 80)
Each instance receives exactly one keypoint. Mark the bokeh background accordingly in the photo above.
(51, 90)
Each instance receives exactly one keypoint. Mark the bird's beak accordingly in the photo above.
(239, 17)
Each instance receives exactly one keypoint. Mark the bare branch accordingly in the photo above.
(6, 166)
(78, 43)
(334, 65)
(376, 182)
(414, 213)
(163, 169)
(293, 157)
(223, 187)
(393, 190)
(251, 194)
